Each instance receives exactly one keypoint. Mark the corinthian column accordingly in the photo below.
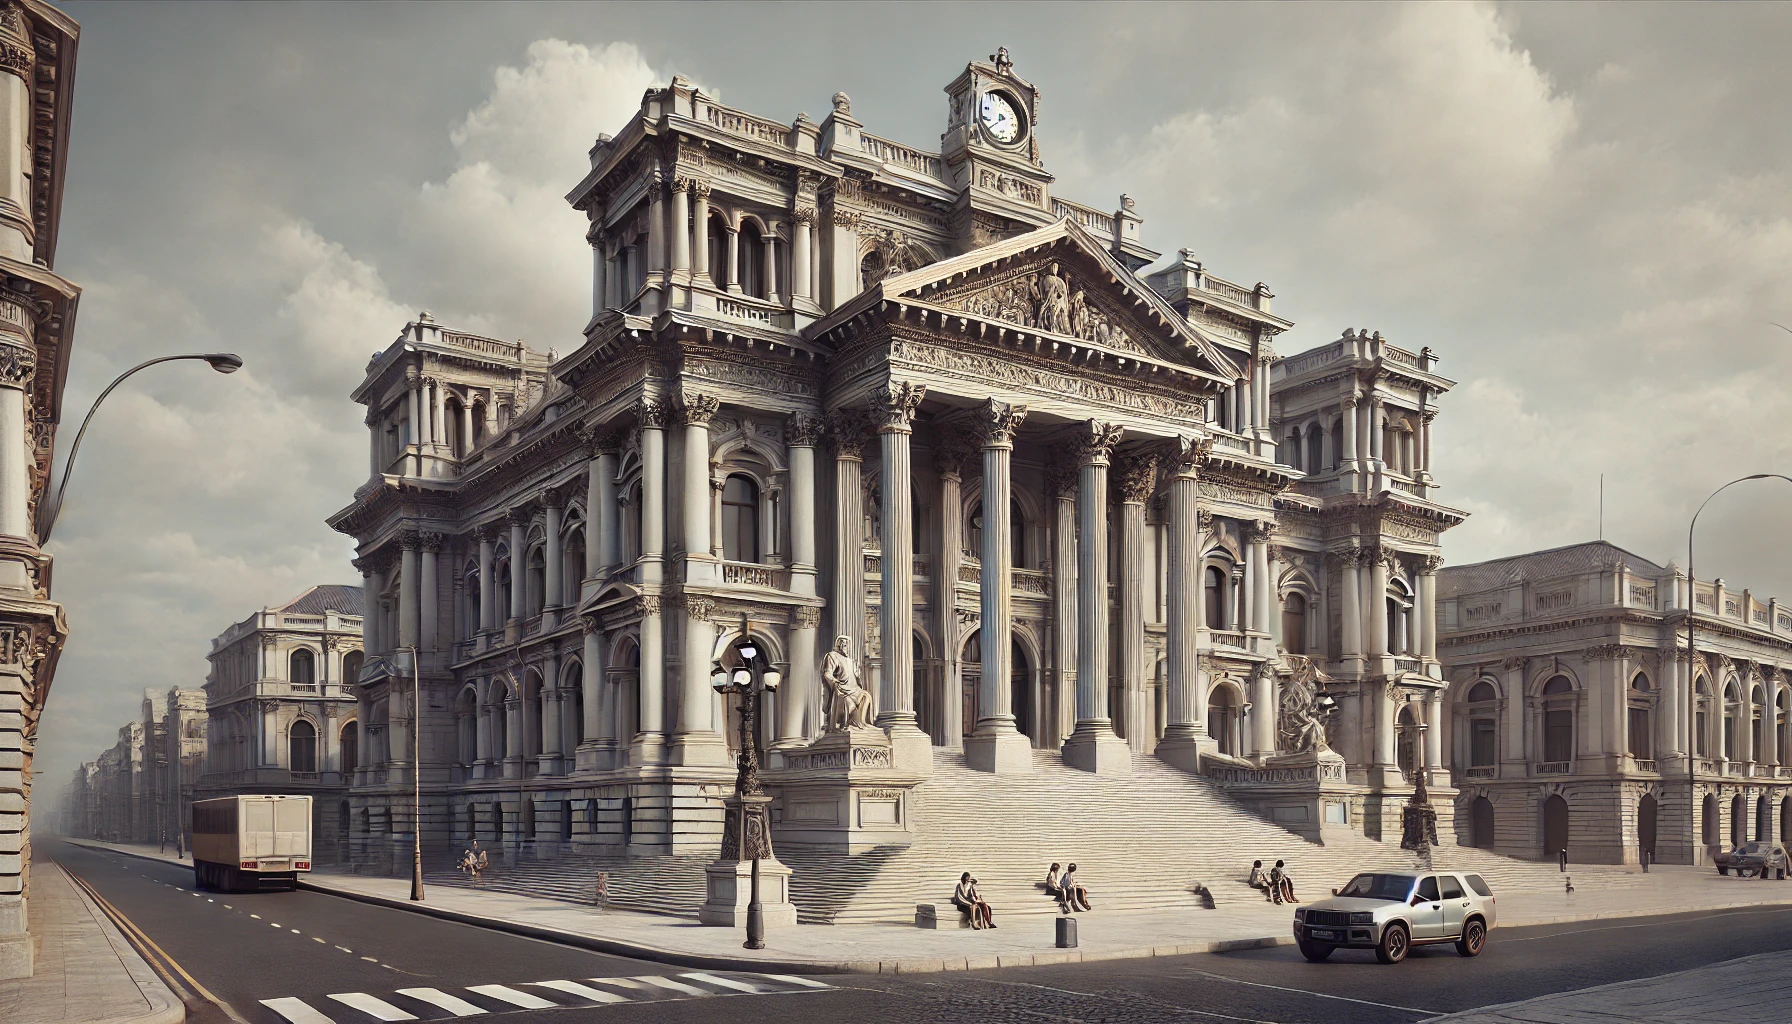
(681, 225)
(1093, 747)
(996, 745)
(599, 746)
(700, 229)
(895, 410)
(1061, 484)
(1185, 734)
(802, 685)
(408, 606)
(1350, 562)
(1138, 475)
(949, 454)
(847, 430)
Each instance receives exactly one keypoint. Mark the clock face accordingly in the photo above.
(999, 118)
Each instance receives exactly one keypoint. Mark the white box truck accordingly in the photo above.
(241, 841)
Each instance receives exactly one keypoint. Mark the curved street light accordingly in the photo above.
(1694, 818)
(223, 362)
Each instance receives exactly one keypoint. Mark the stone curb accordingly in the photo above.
(165, 1007)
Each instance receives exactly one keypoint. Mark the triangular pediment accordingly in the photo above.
(1060, 282)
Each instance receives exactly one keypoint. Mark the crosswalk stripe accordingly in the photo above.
(711, 979)
(372, 1005)
(794, 980)
(628, 983)
(512, 996)
(583, 991)
(438, 998)
(676, 986)
(296, 1010)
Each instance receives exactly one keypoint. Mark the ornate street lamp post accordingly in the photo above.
(416, 780)
(223, 362)
(751, 836)
(1694, 824)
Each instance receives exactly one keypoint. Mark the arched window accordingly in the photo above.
(1555, 826)
(1406, 738)
(301, 743)
(478, 423)
(351, 668)
(1483, 725)
(466, 725)
(351, 748)
(1294, 623)
(631, 523)
(752, 260)
(1646, 814)
(1291, 450)
(1708, 820)
(1732, 708)
(572, 574)
(740, 519)
(536, 596)
(302, 669)
(504, 584)
(1337, 439)
(1756, 728)
(451, 423)
(1224, 715)
(1701, 733)
(1214, 592)
(1738, 821)
(1558, 720)
(1315, 450)
(1400, 638)
(718, 251)
(1782, 728)
(1017, 533)
(1641, 718)
(470, 602)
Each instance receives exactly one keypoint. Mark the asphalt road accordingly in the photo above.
(325, 945)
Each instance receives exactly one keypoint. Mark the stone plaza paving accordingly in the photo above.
(1749, 990)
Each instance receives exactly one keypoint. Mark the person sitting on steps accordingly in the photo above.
(1281, 886)
(970, 902)
(1075, 896)
(1260, 881)
(1054, 886)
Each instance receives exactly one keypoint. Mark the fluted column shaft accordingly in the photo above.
(1352, 612)
(407, 594)
(1378, 604)
(1136, 478)
(897, 703)
(802, 685)
(519, 565)
(996, 744)
(945, 584)
(800, 286)
(648, 746)
(848, 603)
(700, 228)
(603, 538)
(488, 584)
(1092, 746)
(428, 597)
(681, 226)
(600, 717)
(513, 737)
(1427, 613)
(1184, 610)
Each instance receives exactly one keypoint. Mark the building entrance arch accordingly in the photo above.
(1481, 823)
(1555, 826)
(1738, 821)
(1645, 825)
(1708, 820)
(1763, 820)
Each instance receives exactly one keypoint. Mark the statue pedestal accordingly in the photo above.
(728, 881)
(847, 792)
(1305, 793)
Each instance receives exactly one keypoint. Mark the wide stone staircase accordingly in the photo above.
(1157, 838)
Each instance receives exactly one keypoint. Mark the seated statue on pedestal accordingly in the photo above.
(848, 703)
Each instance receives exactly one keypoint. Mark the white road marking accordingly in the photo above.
(315, 938)
(512, 996)
(345, 949)
(276, 924)
(676, 986)
(438, 998)
(295, 931)
(296, 1011)
(256, 916)
(583, 991)
(371, 959)
(628, 983)
(228, 907)
(211, 901)
(1319, 995)
(711, 979)
(372, 1005)
(794, 980)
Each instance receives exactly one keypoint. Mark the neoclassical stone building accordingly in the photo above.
(281, 706)
(1568, 679)
(835, 386)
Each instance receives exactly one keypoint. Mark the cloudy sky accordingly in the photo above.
(1585, 209)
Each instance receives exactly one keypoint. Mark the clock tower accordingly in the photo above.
(991, 153)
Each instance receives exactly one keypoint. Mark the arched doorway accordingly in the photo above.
(1738, 821)
(1763, 820)
(1786, 820)
(1555, 826)
(1020, 691)
(1708, 820)
(1481, 823)
(1645, 825)
(1223, 714)
(1406, 733)
(970, 672)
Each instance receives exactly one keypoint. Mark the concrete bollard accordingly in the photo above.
(1066, 932)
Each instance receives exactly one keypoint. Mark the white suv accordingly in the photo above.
(1392, 912)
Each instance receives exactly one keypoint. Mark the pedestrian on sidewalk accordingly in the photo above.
(1281, 886)
(1074, 895)
(967, 899)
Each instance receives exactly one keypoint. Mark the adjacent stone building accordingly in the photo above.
(37, 321)
(1571, 714)
(141, 790)
(281, 713)
(834, 386)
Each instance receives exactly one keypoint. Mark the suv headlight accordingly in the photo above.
(1362, 918)
(1300, 913)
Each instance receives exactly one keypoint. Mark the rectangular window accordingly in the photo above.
(1481, 742)
(1558, 735)
(1641, 746)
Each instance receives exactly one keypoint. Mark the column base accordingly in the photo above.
(1093, 747)
(700, 749)
(911, 750)
(1001, 751)
(648, 748)
(1186, 750)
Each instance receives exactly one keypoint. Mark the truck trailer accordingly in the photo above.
(241, 841)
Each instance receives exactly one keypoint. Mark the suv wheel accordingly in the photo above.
(1315, 951)
(1394, 944)
(1474, 937)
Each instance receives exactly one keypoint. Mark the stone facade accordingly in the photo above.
(141, 790)
(281, 709)
(37, 318)
(1570, 708)
(834, 386)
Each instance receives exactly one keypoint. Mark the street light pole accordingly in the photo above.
(1694, 824)
(416, 782)
(223, 362)
(748, 682)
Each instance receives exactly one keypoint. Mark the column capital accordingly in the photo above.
(699, 188)
(1136, 475)
(848, 428)
(803, 215)
(1346, 558)
(696, 410)
(1260, 532)
(409, 541)
(487, 533)
(1095, 442)
(699, 608)
(1429, 564)
(601, 440)
(431, 541)
(1001, 421)
(552, 497)
(805, 617)
(518, 517)
(681, 184)
(803, 430)
(647, 604)
(653, 413)
(592, 622)
(952, 447)
(896, 404)
(1186, 455)
(17, 366)
(1060, 478)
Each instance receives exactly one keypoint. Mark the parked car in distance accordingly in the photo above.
(1391, 912)
(1760, 860)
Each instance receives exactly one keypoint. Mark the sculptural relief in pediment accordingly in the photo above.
(1049, 297)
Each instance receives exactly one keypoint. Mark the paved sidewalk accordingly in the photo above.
(1019, 939)
(86, 971)
(1751, 990)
